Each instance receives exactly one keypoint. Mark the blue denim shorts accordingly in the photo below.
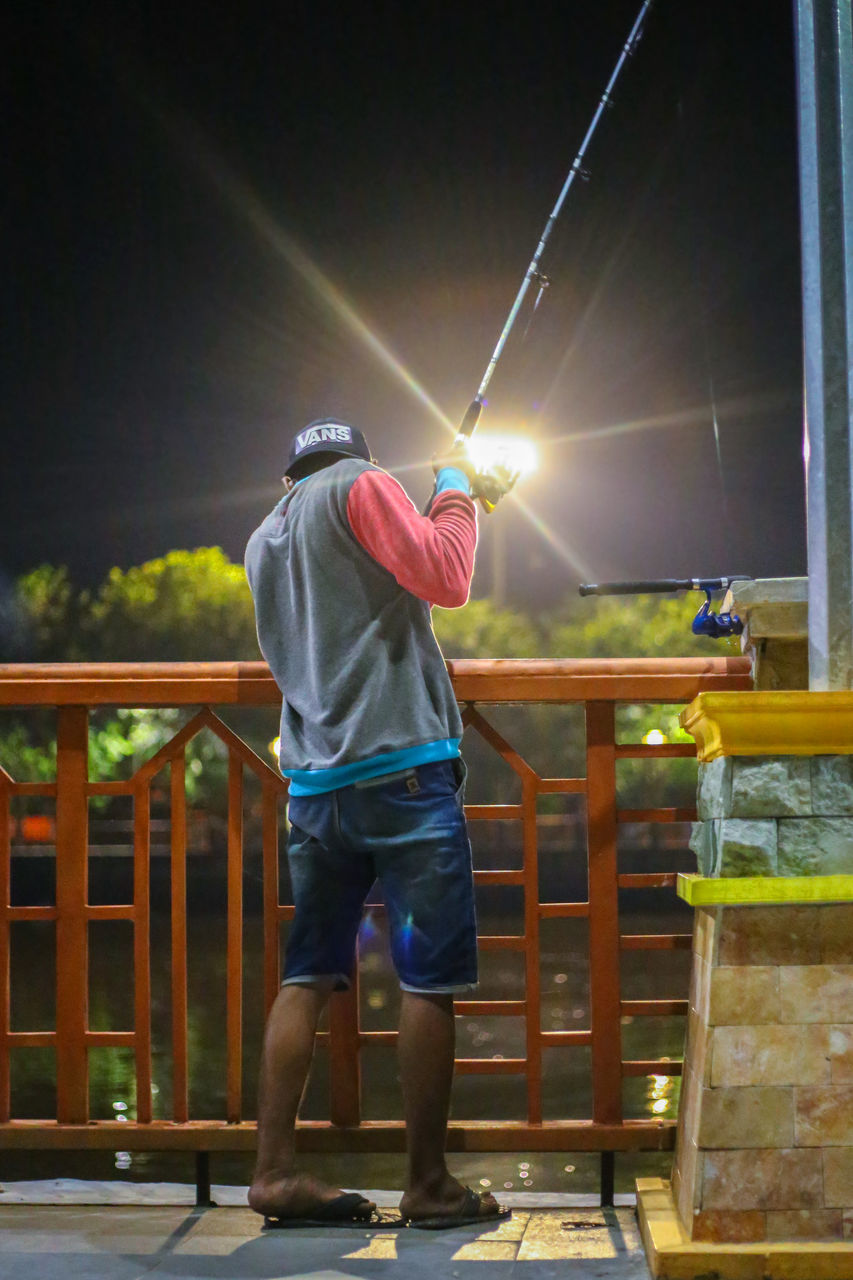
(407, 831)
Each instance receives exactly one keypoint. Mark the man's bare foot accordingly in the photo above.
(296, 1196)
(445, 1199)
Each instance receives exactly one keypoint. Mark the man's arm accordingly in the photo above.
(431, 556)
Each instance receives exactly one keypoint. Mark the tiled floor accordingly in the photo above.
(124, 1242)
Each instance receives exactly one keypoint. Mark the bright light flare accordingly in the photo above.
(513, 452)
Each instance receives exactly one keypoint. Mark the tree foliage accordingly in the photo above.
(196, 606)
(186, 606)
(40, 619)
(481, 630)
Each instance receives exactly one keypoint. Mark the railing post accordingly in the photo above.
(272, 965)
(234, 945)
(5, 946)
(142, 951)
(72, 937)
(532, 982)
(603, 914)
(344, 1057)
(180, 1069)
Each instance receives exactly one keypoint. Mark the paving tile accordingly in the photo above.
(124, 1243)
(705, 933)
(832, 784)
(92, 1229)
(688, 1108)
(754, 1116)
(769, 936)
(769, 1179)
(805, 1224)
(375, 1246)
(747, 847)
(841, 1054)
(836, 932)
(62, 1264)
(714, 789)
(729, 1225)
(815, 846)
(689, 1171)
(823, 1116)
(487, 1251)
(744, 994)
(770, 786)
(838, 1177)
(816, 993)
(592, 1234)
(771, 1055)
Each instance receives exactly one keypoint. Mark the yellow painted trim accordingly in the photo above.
(780, 723)
(746, 891)
(672, 1255)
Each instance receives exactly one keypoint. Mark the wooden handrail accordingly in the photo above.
(172, 684)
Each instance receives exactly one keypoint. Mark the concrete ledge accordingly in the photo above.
(672, 1255)
(756, 891)
(762, 723)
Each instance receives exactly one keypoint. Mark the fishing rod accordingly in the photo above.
(533, 274)
(706, 622)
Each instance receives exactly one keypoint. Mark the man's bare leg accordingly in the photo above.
(426, 1050)
(277, 1189)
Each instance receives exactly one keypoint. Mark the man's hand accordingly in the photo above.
(458, 458)
(492, 485)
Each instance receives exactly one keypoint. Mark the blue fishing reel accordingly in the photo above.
(706, 622)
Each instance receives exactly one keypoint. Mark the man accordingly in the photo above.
(343, 573)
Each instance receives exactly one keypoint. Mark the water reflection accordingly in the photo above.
(661, 1092)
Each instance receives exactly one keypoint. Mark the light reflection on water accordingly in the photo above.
(566, 1072)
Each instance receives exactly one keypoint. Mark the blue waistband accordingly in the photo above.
(314, 782)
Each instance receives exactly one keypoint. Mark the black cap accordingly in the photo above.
(327, 435)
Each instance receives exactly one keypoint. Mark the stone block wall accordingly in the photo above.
(775, 816)
(765, 1138)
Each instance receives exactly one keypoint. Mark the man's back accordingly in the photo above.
(352, 650)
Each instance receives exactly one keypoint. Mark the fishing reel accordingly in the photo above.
(715, 625)
(489, 487)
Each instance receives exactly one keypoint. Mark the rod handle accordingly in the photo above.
(471, 418)
(634, 588)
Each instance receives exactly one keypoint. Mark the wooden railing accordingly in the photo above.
(76, 689)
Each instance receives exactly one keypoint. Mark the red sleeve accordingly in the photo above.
(431, 556)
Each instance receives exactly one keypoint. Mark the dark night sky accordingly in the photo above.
(168, 161)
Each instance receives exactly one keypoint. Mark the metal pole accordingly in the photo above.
(499, 565)
(824, 49)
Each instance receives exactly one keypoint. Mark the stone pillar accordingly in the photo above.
(764, 1149)
(775, 614)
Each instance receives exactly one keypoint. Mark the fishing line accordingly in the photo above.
(699, 282)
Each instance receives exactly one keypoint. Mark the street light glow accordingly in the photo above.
(512, 452)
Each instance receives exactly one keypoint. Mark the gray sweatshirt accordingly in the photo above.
(350, 647)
